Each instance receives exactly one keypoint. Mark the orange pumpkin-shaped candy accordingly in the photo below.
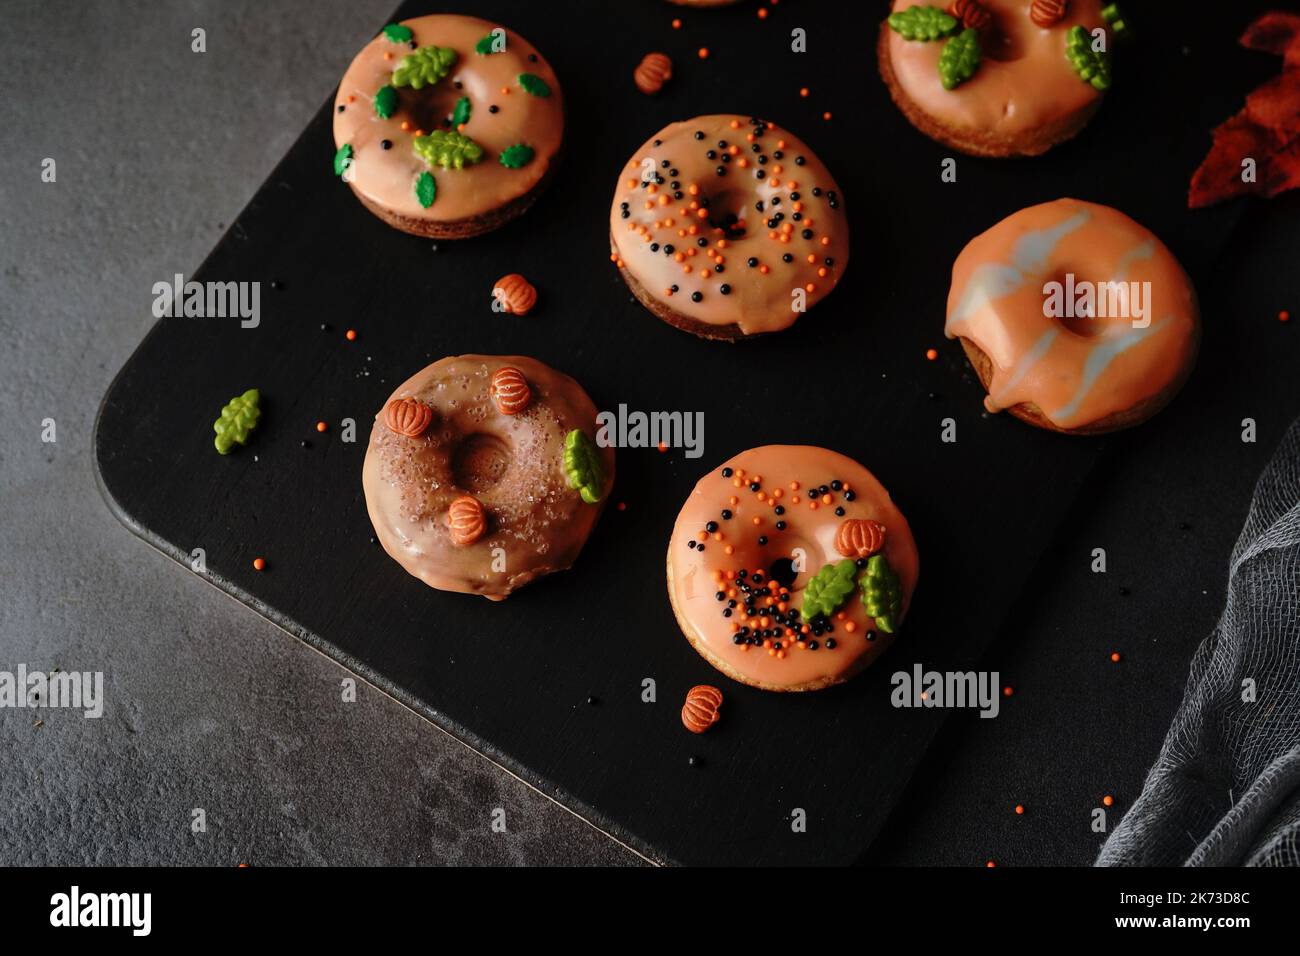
(408, 416)
(510, 391)
(859, 538)
(466, 520)
(1045, 13)
(654, 70)
(700, 712)
(515, 293)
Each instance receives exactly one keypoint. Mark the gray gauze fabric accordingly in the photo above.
(1225, 789)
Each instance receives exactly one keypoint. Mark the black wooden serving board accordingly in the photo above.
(513, 679)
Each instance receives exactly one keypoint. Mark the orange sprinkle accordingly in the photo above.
(622, 506)
(352, 99)
(704, 53)
(735, 124)
(757, 520)
(1114, 657)
(990, 864)
(1008, 691)
(1108, 800)
(812, 506)
(794, 486)
(826, 499)
(1284, 316)
(388, 56)
(850, 626)
(662, 448)
(803, 91)
(351, 335)
(405, 125)
(762, 15)
(796, 499)
(677, 24)
(1020, 810)
(259, 564)
(932, 354)
(826, 115)
(727, 549)
(702, 536)
(321, 426)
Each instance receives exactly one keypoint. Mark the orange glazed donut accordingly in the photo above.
(766, 583)
(1076, 318)
(728, 227)
(1025, 94)
(482, 473)
(447, 126)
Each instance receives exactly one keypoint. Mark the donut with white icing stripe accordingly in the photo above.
(1076, 318)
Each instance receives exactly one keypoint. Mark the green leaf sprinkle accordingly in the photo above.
(1093, 66)
(534, 84)
(460, 114)
(922, 23)
(960, 59)
(398, 33)
(238, 419)
(829, 588)
(426, 189)
(1114, 18)
(343, 159)
(582, 466)
(424, 67)
(448, 149)
(882, 593)
(488, 45)
(385, 101)
(513, 157)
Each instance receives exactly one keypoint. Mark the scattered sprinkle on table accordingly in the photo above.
(990, 864)
(1114, 657)
(932, 354)
(1284, 316)
(321, 426)
(351, 335)
(1020, 810)
(677, 24)
(1008, 691)
(1108, 800)
(704, 53)
(804, 91)
(259, 564)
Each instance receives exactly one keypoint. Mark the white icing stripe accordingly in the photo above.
(1027, 361)
(1099, 358)
(994, 280)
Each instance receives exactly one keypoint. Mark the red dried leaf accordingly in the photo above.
(1266, 129)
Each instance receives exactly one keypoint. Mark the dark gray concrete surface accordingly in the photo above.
(207, 705)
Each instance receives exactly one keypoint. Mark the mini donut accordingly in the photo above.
(448, 126)
(728, 227)
(752, 536)
(1070, 372)
(1025, 95)
(482, 473)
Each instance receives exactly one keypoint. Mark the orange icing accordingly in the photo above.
(786, 474)
(387, 176)
(1077, 370)
(813, 229)
(1024, 79)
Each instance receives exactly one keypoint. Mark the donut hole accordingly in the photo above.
(479, 462)
(1084, 326)
(429, 110)
(782, 572)
(728, 210)
(1000, 44)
